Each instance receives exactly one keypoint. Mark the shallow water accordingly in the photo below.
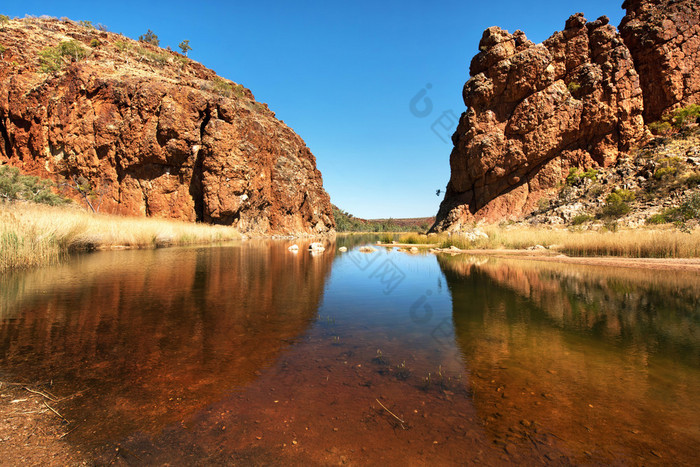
(248, 353)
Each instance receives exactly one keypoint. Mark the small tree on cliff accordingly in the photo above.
(83, 187)
(185, 47)
(150, 37)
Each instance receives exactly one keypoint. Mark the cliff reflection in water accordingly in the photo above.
(603, 363)
(153, 336)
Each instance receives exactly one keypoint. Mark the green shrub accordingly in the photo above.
(543, 204)
(386, 238)
(221, 87)
(51, 58)
(665, 172)
(95, 43)
(580, 219)
(239, 90)
(660, 127)
(676, 120)
(15, 186)
(121, 45)
(4, 19)
(685, 115)
(86, 24)
(626, 195)
(591, 174)
(150, 38)
(573, 177)
(160, 58)
(693, 179)
(668, 168)
(688, 210)
(657, 219)
(595, 190)
(615, 205)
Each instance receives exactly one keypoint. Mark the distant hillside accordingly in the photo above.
(346, 222)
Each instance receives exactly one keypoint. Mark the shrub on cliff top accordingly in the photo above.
(150, 37)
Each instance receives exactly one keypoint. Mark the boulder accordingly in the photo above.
(533, 112)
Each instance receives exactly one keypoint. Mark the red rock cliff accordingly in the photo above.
(664, 39)
(534, 111)
(154, 133)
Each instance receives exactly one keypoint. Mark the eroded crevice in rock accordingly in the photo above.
(6, 138)
(196, 189)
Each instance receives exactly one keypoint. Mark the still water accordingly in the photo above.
(250, 354)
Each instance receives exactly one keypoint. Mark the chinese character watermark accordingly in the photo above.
(421, 106)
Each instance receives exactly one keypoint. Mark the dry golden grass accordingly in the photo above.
(32, 234)
(633, 243)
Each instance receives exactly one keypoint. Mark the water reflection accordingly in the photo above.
(590, 364)
(148, 337)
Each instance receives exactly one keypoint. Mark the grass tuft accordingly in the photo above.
(32, 234)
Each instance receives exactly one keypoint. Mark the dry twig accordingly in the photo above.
(56, 412)
(390, 412)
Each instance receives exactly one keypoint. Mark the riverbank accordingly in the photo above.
(34, 235)
(641, 242)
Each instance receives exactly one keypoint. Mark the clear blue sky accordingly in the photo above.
(342, 74)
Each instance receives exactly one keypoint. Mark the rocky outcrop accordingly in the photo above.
(533, 112)
(664, 39)
(152, 132)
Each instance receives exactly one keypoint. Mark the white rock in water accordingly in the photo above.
(294, 247)
(343, 249)
(316, 247)
(414, 249)
(367, 249)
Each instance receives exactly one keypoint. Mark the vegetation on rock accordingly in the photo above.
(15, 186)
(52, 58)
(150, 37)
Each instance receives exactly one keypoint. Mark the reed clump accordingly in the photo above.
(661, 242)
(32, 234)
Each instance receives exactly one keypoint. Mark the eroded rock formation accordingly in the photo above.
(533, 112)
(664, 39)
(154, 134)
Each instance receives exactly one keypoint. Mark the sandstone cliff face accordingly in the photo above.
(534, 111)
(154, 133)
(664, 39)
